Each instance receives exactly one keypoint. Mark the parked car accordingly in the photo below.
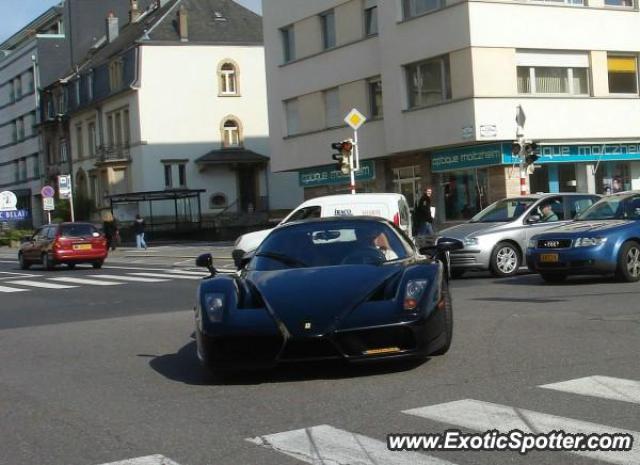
(603, 240)
(496, 238)
(393, 207)
(353, 289)
(68, 243)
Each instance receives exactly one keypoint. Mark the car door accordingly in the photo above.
(28, 247)
(537, 227)
(40, 236)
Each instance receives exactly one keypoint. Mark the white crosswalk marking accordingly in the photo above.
(167, 275)
(603, 387)
(485, 416)
(186, 272)
(149, 460)
(90, 282)
(42, 284)
(326, 444)
(133, 279)
(11, 289)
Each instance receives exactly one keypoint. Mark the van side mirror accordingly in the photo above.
(25, 239)
(533, 219)
(206, 261)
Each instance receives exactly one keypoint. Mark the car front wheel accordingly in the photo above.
(505, 260)
(629, 262)
(447, 308)
(24, 264)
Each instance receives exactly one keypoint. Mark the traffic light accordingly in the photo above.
(531, 153)
(343, 158)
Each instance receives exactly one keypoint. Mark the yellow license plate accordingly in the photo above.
(549, 258)
(82, 247)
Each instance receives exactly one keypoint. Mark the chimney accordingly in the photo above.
(112, 27)
(134, 11)
(183, 25)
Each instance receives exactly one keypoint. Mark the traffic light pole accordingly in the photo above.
(353, 165)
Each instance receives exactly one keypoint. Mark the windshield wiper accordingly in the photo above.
(283, 259)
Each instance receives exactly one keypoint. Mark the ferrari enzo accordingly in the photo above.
(353, 289)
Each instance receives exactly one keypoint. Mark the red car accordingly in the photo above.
(68, 243)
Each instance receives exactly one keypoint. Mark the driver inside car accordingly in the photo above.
(548, 214)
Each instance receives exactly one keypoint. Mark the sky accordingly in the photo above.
(24, 11)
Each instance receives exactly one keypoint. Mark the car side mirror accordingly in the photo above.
(206, 261)
(441, 245)
(25, 239)
(246, 258)
(533, 219)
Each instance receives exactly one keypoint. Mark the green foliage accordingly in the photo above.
(83, 208)
(13, 235)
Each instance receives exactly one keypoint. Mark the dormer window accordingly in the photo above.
(228, 79)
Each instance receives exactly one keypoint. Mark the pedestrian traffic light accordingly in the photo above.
(532, 153)
(343, 157)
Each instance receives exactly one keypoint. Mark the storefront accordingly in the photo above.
(326, 180)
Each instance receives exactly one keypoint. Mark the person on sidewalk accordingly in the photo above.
(423, 220)
(138, 230)
(110, 229)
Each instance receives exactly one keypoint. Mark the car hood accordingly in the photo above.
(581, 227)
(319, 296)
(463, 230)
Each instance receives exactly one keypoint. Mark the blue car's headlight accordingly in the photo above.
(214, 306)
(589, 241)
(413, 293)
(532, 244)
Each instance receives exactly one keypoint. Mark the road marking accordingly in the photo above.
(11, 289)
(44, 285)
(90, 282)
(326, 444)
(149, 460)
(191, 273)
(485, 416)
(130, 278)
(603, 387)
(167, 275)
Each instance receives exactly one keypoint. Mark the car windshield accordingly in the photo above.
(503, 211)
(77, 230)
(614, 207)
(329, 243)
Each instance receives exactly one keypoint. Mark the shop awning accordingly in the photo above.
(232, 157)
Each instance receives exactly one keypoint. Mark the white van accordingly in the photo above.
(393, 207)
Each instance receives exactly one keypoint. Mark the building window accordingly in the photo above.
(115, 75)
(553, 80)
(411, 8)
(126, 129)
(93, 140)
(288, 44)
(20, 129)
(332, 108)
(228, 80)
(110, 130)
(30, 82)
(429, 82)
(328, 20)
(18, 87)
(293, 116)
(63, 151)
(375, 98)
(231, 133)
(76, 89)
(79, 142)
(371, 20)
(406, 181)
(624, 3)
(168, 178)
(90, 86)
(623, 75)
(182, 175)
(217, 200)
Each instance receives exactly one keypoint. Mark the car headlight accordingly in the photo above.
(214, 306)
(471, 241)
(413, 293)
(589, 241)
(532, 244)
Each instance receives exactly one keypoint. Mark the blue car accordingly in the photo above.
(605, 239)
(348, 289)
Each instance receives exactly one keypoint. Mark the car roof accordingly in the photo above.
(353, 198)
(334, 219)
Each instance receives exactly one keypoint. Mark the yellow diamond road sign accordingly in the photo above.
(355, 119)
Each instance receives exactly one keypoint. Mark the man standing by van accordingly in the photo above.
(422, 214)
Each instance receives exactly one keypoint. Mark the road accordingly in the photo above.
(106, 373)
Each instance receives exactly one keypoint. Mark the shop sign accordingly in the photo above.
(8, 201)
(16, 215)
(328, 175)
(467, 157)
(580, 153)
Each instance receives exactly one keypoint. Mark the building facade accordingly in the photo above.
(441, 81)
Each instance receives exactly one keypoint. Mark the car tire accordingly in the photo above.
(47, 262)
(71, 266)
(457, 274)
(448, 321)
(24, 264)
(628, 269)
(553, 278)
(97, 265)
(505, 260)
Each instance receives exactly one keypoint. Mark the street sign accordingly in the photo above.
(48, 191)
(8, 201)
(355, 119)
(48, 204)
(64, 186)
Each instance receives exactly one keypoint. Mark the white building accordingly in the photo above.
(441, 80)
(171, 104)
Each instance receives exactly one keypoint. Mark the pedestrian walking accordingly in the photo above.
(138, 229)
(110, 229)
(423, 219)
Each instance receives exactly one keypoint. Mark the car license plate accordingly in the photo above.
(549, 258)
(82, 247)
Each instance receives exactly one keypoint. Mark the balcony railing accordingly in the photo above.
(109, 153)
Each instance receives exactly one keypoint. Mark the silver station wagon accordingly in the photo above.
(496, 238)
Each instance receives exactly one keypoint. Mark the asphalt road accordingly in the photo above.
(93, 374)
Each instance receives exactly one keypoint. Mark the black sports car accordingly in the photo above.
(354, 289)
